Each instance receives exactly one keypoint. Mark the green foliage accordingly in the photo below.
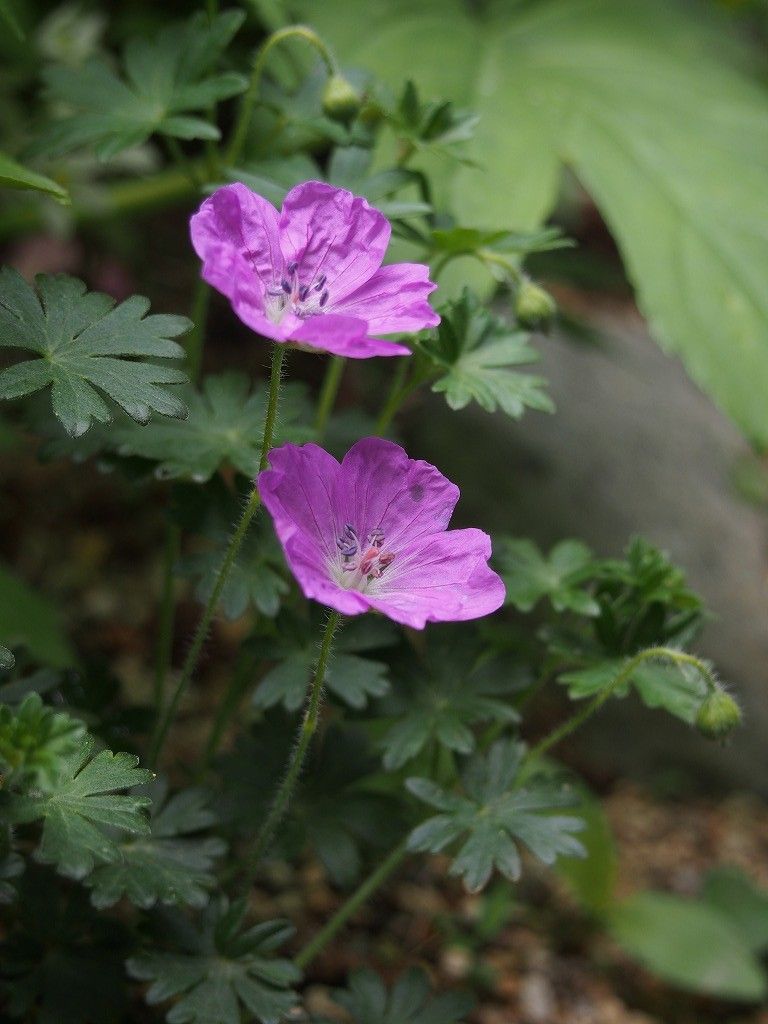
(493, 816)
(83, 340)
(428, 124)
(61, 963)
(731, 891)
(529, 576)
(473, 351)
(171, 865)
(690, 944)
(28, 619)
(7, 660)
(81, 806)
(14, 175)
(225, 426)
(409, 1001)
(639, 100)
(457, 683)
(165, 82)
(221, 970)
(350, 676)
(592, 878)
(35, 738)
(351, 167)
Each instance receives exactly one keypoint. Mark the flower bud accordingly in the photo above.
(341, 100)
(718, 715)
(534, 307)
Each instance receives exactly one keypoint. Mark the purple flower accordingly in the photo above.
(311, 274)
(372, 533)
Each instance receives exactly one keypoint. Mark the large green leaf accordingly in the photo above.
(692, 945)
(639, 99)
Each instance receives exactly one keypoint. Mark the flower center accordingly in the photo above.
(361, 563)
(291, 295)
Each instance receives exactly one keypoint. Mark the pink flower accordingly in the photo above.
(372, 533)
(311, 274)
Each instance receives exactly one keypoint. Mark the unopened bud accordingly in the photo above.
(718, 715)
(341, 100)
(534, 307)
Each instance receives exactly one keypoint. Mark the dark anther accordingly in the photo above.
(320, 283)
(286, 286)
(292, 268)
(324, 298)
(303, 292)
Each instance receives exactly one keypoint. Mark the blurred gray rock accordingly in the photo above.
(634, 447)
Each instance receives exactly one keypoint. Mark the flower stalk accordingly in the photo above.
(307, 730)
(235, 543)
(328, 393)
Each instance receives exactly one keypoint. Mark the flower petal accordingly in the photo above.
(342, 336)
(327, 230)
(235, 233)
(379, 487)
(440, 579)
(394, 299)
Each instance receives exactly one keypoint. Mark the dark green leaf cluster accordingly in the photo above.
(34, 739)
(493, 815)
(410, 1001)
(88, 346)
(473, 351)
(530, 576)
(165, 83)
(457, 683)
(220, 970)
(428, 124)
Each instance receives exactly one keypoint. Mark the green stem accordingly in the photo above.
(328, 392)
(623, 676)
(356, 900)
(248, 103)
(203, 626)
(296, 763)
(195, 340)
(166, 614)
(394, 397)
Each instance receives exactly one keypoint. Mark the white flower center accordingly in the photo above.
(360, 565)
(291, 295)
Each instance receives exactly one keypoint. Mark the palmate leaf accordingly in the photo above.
(350, 676)
(34, 739)
(529, 576)
(222, 970)
(437, 699)
(492, 817)
(410, 1000)
(225, 426)
(87, 345)
(473, 351)
(166, 81)
(171, 865)
(81, 807)
(638, 98)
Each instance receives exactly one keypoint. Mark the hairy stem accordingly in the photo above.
(240, 131)
(347, 909)
(395, 397)
(622, 676)
(233, 548)
(328, 392)
(296, 763)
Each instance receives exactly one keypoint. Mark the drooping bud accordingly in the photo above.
(341, 101)
(534, 307)
(718, 715)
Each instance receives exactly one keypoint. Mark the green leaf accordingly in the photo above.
(35, 739)
(222, 971)
(225, 426)
(473, 351)
(81, 807)
(352, 678)
(688, 944)
(592, 877)
(410, 1001)
(7, 660)
(27, 619)
(171, 865)
(83, 340)
(437, 699)
(14, 175)
(350, 167)
(735, 895)
(529, 576)
(164, 80)
(10, 19)
(492, 817)
(638, 99)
